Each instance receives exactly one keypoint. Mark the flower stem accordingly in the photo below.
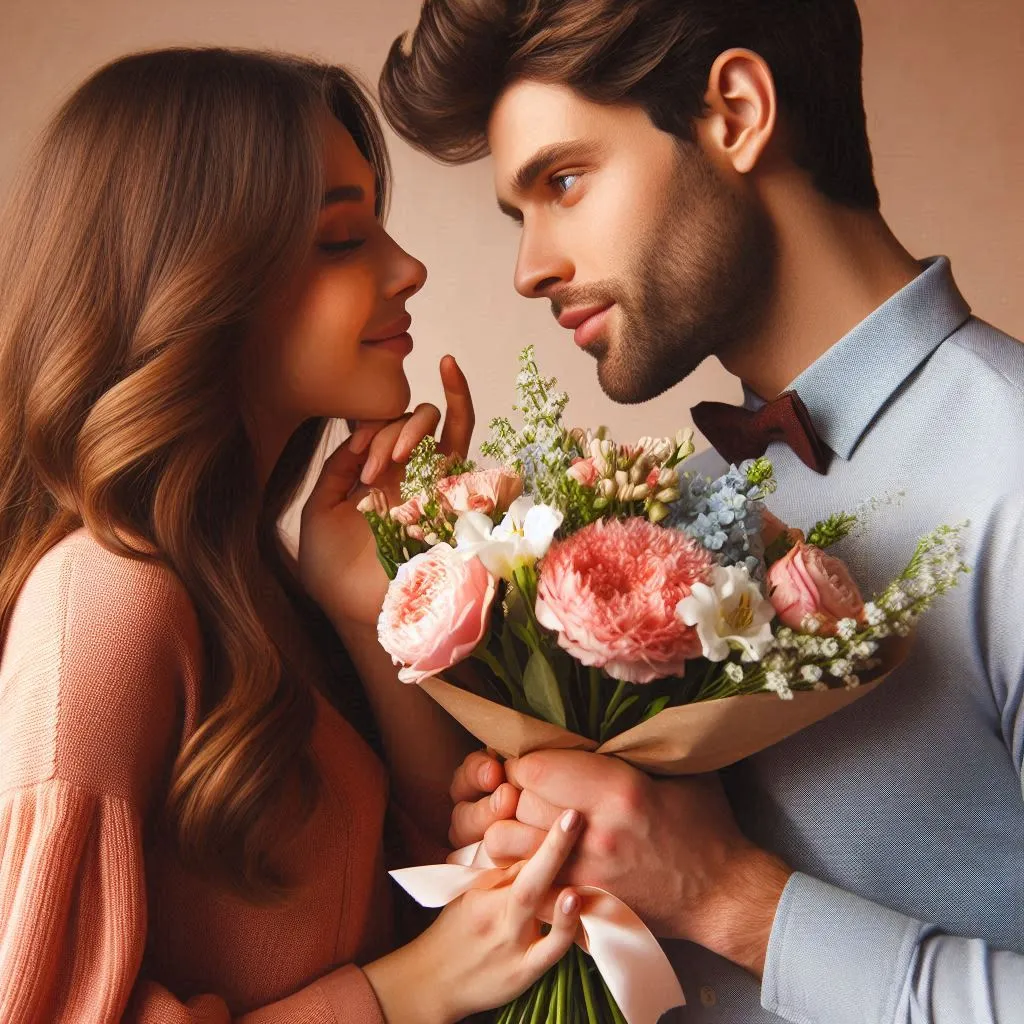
(595, 702)
(612, 706)
(588, 992)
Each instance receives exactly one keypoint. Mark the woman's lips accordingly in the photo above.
(394, 337)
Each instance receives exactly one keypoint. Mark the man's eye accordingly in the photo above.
(564, 182)
(334, 248)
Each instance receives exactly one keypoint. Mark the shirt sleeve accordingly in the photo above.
(98, 662)
(908, 972)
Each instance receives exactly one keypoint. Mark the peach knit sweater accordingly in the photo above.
(98, 920)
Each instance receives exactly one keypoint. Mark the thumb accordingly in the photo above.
(340, 473)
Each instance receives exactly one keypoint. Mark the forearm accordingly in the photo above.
(407, 989)
(423, 744)
(835, 958)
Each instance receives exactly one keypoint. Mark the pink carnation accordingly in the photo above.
(610, 591)
(484, 490)
(807, 582)
(435, 612)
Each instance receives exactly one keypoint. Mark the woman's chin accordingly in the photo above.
(382, 400)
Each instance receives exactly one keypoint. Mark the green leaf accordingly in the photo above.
(542, 690)
(655, 707)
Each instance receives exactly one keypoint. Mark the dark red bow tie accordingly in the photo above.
(739, 433)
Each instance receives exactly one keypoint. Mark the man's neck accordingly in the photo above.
(835, 266)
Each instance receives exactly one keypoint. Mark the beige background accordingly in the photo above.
(944, 81)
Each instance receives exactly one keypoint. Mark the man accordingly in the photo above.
(693, 178)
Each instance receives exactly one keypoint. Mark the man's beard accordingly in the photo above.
(702, 283)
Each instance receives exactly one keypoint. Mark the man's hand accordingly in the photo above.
(669, 848)
(481, 797)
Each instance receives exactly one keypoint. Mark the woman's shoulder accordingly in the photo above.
(100, 668)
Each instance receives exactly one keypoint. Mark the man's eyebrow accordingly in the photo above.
(344, 194)
(526, 176)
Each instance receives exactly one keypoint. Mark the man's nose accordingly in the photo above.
(541, 264)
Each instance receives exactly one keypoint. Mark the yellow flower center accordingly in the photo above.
(741, 615)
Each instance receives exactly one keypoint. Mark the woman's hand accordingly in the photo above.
(488, 946)
(337, 553)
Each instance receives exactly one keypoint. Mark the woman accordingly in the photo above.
(195, 279)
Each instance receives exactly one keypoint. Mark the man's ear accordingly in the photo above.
(741, 109)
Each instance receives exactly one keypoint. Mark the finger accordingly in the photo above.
(508, 841)
(422, 423)
(570, 778)
(340, 472)
(471, 819)
(381, 446)
(479, 774)
(565, 926)
(538, 874)
(536, 811)
(460, 418)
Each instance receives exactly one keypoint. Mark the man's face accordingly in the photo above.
(646, 251)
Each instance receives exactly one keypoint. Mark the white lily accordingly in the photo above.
(732, 612)
(523, 536)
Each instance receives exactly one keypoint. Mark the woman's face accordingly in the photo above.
(333, 342)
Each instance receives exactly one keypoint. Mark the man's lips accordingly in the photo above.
(393, 330)
(586, 323)
(570, 319)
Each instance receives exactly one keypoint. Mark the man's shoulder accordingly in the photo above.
(983, 347)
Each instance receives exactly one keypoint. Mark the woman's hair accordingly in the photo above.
(173, 191)
(440, 83)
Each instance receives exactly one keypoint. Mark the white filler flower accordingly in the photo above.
(731, 612)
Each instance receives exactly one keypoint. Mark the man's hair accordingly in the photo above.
(440, 83)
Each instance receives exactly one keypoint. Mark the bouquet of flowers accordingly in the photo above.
(614, 601)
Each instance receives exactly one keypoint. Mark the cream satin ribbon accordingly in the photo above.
(633, 965)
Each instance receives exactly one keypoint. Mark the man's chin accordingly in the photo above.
(629, 385)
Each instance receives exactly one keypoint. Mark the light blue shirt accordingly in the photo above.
(903, 814)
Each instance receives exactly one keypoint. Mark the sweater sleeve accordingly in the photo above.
(94, 690)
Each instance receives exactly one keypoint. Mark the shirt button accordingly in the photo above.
(708, 997)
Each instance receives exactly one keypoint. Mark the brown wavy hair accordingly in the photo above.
(441, 81)
(171, 194)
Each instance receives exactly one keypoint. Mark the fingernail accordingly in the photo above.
(569, 903)
(370, 471)
(570, 820)
(496, 799)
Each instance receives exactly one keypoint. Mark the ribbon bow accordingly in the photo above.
(739, 433)
(631, 961)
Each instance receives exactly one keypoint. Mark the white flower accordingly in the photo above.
(846, 629)
(830, 647)
(840, 667)
(778, 683)
(874, 615)
(733, 672)
(810, 673)
(851, 682)
(523, 536)
(730, 613)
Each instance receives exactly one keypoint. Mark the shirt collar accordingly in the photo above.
(847, 386)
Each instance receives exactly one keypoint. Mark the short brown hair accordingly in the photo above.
(440, 83)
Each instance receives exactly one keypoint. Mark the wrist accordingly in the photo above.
(740, 911)
(405, 983)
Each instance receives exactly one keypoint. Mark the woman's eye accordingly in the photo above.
(564, 182)
(338, 248)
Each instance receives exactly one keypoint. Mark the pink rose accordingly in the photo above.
(484, 490)
(584, 472)
(805, 582)
(409, 513)
(435, 612)
(610, 592)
